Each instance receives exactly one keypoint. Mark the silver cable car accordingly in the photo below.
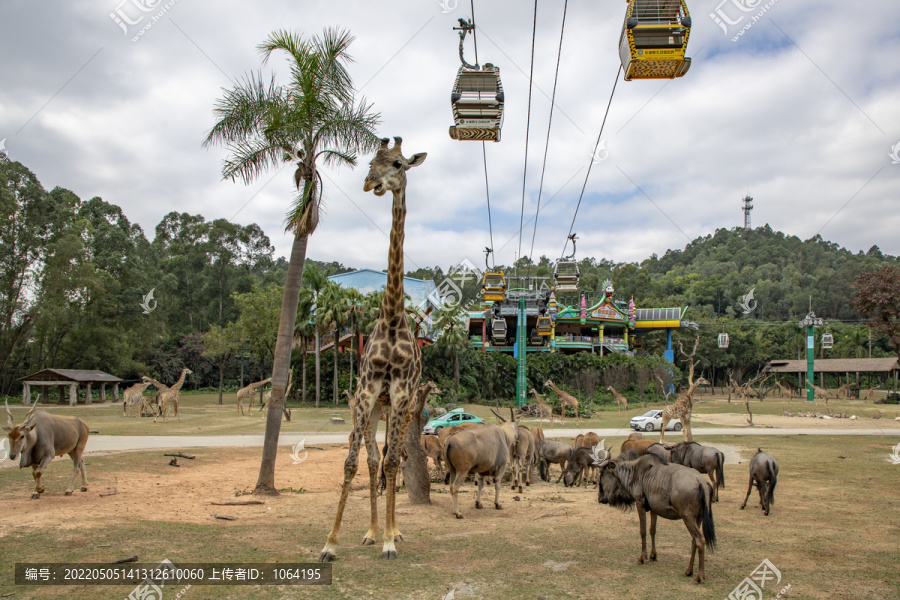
(477, 97)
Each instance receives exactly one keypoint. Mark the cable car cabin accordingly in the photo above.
(723, 340)
(535, 339)
(566, 275)
(827, 340)
(544, 325)
(654, 39)
(477, 100)
(493, 286)
(498, 331)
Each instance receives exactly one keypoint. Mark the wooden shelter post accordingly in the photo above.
(103, 393)
(116, 392)
(26, 394)
(60, 394)
(87, 394)
(45, 394)
(73, 394)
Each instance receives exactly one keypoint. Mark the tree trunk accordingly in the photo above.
(334, 348)
(221, 379)
(415, 467)
(456, 369)
(318, 367)
(303, 396)
(265, 485)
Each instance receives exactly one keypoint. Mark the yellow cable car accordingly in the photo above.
(477, 97)
(493, 286)
(544, 325)
(654, 39)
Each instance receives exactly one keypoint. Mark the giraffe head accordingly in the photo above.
(387, 171)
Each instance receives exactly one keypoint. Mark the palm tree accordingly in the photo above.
(263, 125)
(355, 313)
(304, 331)
(448, 326)
(316, 281)
(333, 306)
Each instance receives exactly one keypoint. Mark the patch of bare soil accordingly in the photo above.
(781, 422)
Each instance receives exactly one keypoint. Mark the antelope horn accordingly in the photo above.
(30, 414)
(502, 420)
(9, 417)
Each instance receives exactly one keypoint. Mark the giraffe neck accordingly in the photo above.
(393, 304)
(177, 385)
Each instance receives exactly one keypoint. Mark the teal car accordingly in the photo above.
(453, 418)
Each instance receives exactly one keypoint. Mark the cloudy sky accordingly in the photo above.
(802, 110)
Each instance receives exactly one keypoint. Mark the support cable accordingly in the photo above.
(549, 125)
(527, 131)
(593, 154)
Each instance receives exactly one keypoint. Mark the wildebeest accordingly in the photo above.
(580, 460)
(553, 453)
(484, 451)
(587, 440)
(40, 437)
(702, 458)
(763, 473)
(665, 490)
(523, 457)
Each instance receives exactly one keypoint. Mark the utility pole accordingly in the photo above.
(810, 321)
(522, 347)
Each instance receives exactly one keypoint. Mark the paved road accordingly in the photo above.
(105, 443)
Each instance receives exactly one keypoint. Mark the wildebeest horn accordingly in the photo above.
(9, 419)
(502, 420)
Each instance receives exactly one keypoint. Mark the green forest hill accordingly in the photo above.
(75, 277)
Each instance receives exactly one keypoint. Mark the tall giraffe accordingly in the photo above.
(391, 364)
(246, 393)
(543, 407)
(621, 401)
(565, 400)
(168, 395)
(683, 406)
(132, 397)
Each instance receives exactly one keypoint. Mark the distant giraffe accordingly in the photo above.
(267, 396)
(844, 389)
(544, 409)
(565, 400)
(246, 393)
(869, 393)
(132, 397)
(683, 406)
(819, 393)
(621, 401)
(167, 395)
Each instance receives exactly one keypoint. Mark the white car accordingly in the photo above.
(652, 421)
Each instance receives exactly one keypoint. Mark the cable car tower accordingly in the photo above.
(477, 97)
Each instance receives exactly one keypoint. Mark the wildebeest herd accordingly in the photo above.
(663, 480)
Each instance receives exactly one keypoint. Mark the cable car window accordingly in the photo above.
(658, 38)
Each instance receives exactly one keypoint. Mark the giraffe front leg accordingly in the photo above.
(373, 462)
(350, 467)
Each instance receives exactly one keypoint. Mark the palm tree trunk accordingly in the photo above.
(303, 396)
(318, 367)
(265, 485)
(221, 379)
(334, 348)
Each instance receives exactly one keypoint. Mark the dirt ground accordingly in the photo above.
(782, 422)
